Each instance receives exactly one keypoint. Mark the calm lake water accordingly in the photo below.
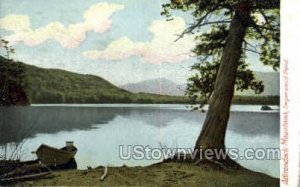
(99, 130)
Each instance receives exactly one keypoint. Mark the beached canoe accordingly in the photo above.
(25, 171)
(51, 156)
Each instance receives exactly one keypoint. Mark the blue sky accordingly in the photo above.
(123, 41)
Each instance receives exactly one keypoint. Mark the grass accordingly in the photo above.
(163, 174)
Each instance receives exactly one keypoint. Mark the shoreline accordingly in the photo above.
(161, 174)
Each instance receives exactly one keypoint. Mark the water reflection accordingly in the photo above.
(16, 123)
(254, 123)
(19, 122)
(99, 131)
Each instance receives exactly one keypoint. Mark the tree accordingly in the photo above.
(12, 79)
(226, 31)
(8, 50)
(7, 47)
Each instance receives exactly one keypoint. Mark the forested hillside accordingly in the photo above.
(21, 84)
(59, 86)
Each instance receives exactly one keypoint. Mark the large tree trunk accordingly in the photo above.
(212, 135)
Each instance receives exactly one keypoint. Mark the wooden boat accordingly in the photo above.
(26, 170)
(51, 156)
(10, 165)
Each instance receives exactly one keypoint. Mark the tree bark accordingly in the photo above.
(213, 132)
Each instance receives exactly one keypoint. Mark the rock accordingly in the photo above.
(265, 107)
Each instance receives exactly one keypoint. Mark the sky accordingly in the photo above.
(123, 41)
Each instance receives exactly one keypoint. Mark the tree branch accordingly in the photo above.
(267, 28)
(247, 43)
(201, 25)
(264, 15)
(266, 4)
(253, 51)
(198, 24)
(214, 22)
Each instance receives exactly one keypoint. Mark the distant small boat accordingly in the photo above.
(52, 156)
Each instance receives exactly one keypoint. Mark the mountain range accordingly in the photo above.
(167, 87)
(156, 86)
(271, 82)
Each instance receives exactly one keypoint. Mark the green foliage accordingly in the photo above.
(211, 25)
(12, 83)
(200, 86)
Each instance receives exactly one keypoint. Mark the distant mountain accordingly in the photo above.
(156, 86)
(270, 81)
(166, 87)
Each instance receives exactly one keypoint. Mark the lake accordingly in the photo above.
(99, 130)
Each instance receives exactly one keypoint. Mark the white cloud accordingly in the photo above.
(161, 48)
(16, 23)
(97, 19)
